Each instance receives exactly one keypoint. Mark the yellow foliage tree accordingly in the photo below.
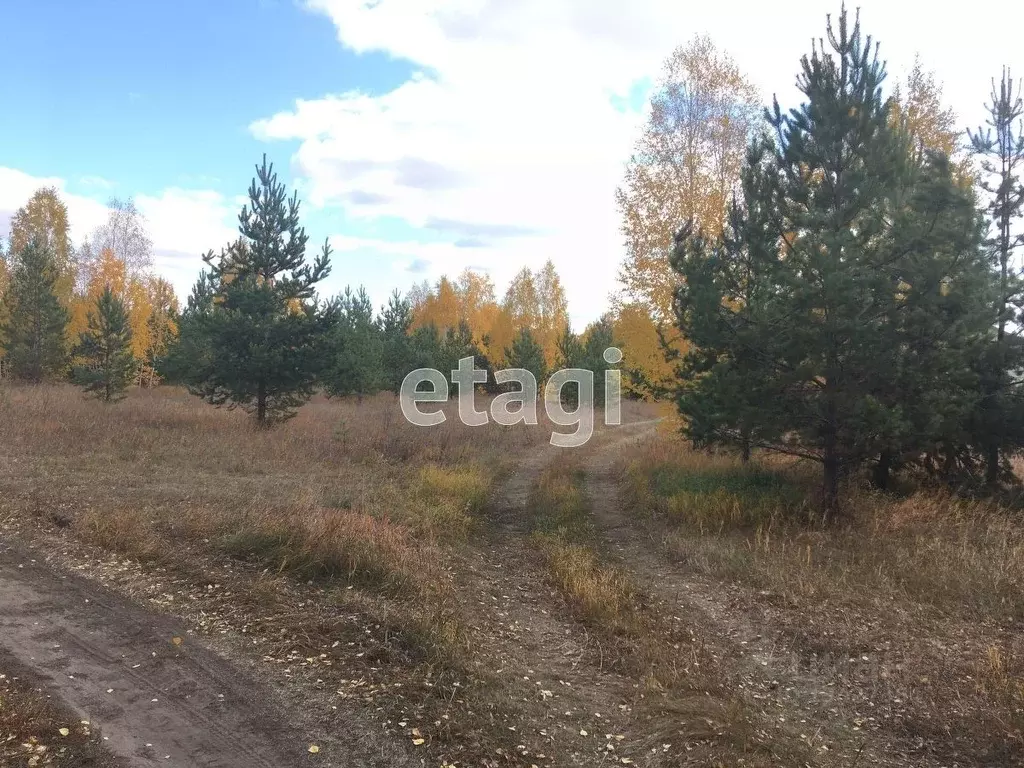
(650, 375)
(521, 301)
(503, 333)
(438, 306)
(917, 104)
(161, 324)
(552, 310)
(149, 301)
(45, 218)
(477, 305)
(686, 166)
(534, 300)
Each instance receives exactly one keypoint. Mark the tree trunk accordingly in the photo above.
(830, 468)
(261, 405)
(830, 487)
(745, 448)
(992, 464)
(883, 468)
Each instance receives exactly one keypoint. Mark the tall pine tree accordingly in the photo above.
(106, 349)
(1000, 147)
(32, 319)
(259, 336)
(790, 315)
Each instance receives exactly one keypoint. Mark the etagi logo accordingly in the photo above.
(517, 407)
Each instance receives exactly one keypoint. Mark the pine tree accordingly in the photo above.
(790, 313)
(526, 352)
(188, 356)
(263, 336)
(33, 319)
(106, 348)
(356, 347)
(599, 337)
(1001, 150)
(569, 349)
(396, 352)
(457, 344)
(425, 349)
(941, 318)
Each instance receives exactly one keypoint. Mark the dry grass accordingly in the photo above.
(683, 687)
(346, 492)
(601, 595)
(347, 503)
(927, 586)
(958, 557)
(36, 731)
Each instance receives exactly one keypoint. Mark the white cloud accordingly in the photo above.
(189, 221)
(182, 223)
(512, 125)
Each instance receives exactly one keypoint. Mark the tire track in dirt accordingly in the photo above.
(772, 677)
(156, 702)
(561, 692)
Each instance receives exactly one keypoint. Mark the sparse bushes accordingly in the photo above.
(331, 544)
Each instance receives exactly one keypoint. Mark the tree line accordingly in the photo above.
(52, 294)
(254, 333)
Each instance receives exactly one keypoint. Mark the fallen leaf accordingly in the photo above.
(313, 749)
(63, 731)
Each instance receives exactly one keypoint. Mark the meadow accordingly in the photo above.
(474, 596)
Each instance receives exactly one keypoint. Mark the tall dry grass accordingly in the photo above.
(928, 586)
(958, 556)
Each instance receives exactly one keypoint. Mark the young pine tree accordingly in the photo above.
(259, 336)
(106, 348)
(458, 343)
(356, 347)
(396, 352)
(599, 337)
(526, 352)
(32, 319)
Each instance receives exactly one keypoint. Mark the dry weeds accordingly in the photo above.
(912, 607)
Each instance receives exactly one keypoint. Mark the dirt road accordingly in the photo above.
(159, 697)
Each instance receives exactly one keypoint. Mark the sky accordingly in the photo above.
(423, 136)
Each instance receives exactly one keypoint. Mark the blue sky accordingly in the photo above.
(422, 137)
(154, 94)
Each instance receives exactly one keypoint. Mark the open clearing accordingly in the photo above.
(203, 594)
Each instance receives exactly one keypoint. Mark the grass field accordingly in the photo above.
(489, 600)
